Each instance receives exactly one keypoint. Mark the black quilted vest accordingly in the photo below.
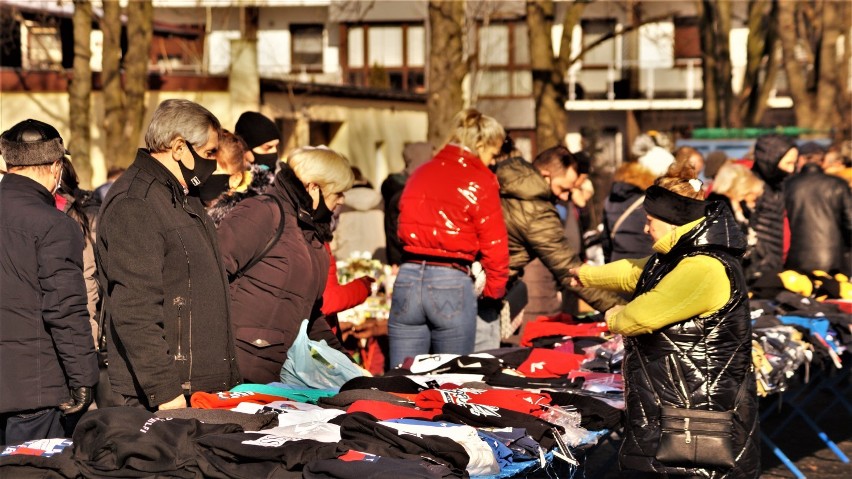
(702, 363)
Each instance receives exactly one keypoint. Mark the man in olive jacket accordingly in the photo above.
(166, 302)
(527, 195)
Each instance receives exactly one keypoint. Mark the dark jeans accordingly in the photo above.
(433, 311)
(17, 428)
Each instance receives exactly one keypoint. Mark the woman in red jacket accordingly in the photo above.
(449, 216)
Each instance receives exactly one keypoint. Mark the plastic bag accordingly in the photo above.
(316, 365)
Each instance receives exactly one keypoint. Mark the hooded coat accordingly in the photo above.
(272, 298)
(769, 217)
(703, 362)
(535, 231)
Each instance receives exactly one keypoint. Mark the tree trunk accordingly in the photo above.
(796, 79)
(80, 92)
(140, 16)
(113, 94)
(828, 81)
(844, 103)
(447, 67)
(723, 62)
(761, 64)
(715, 25)
(549, 91)
(707, 27)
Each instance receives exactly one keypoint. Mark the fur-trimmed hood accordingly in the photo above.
(261, 180)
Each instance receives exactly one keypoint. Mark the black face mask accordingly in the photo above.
(321, 213)
(213, 187)
(197, 176)
(269, 160)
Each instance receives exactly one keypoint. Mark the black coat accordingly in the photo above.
(45, 337)
(166, 303)
(273, 297)
(767, 220)
(630, 241)
(819, 208)
(700, 363)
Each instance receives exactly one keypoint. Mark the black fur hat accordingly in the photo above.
(31, 143)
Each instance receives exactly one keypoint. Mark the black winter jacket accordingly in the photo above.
(535, 231)
(700, 363)
(45, 337)
(166, 302)
(819, 208)
(630, 240)
(767, 220)
(273, 297)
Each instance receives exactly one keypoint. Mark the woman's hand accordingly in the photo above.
(176, 403)
(612, 311)
(575, 279)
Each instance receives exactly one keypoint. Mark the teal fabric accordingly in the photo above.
(310, 396)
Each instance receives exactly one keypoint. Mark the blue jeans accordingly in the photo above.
(433, 310)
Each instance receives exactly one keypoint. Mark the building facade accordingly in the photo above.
(352, 74)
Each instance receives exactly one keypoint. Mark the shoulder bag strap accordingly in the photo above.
(624, 215)
(274, 239)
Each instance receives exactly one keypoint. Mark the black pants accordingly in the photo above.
(17, 428)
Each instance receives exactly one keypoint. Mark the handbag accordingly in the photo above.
(694, 437)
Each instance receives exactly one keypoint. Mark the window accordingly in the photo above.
(177, 48)
(386, 56)
(306, 47)
(42, 46)
(603, 54)
(503, 54)
(687, 39)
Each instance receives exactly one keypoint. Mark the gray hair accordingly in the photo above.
(179, 118)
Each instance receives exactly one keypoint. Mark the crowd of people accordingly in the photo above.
(193, 269)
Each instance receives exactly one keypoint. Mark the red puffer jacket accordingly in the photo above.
(450, 208)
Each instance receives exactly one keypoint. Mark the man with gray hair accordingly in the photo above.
(46, 349)
(166, 295)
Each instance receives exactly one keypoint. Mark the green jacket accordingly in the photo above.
(535, 230)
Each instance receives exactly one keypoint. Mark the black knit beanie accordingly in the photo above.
(256, 129)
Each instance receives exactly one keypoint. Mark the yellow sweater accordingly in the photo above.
(697, 286)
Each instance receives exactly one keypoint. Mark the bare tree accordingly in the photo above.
(140, 16)
(447, 66)
(124, 107)
(809, 31)
(80, 91)
(549, 89)
(762, 66)
(715, 27)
